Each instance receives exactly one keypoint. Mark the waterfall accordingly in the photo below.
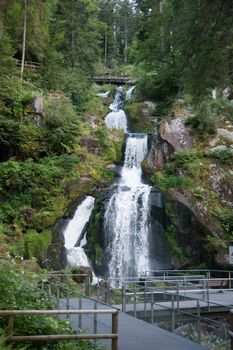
(74, 231)
(117, 118)
(126, 218)
(129, 92)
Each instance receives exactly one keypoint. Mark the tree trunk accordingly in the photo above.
(24, 40)
(161, 27)
(126, 39)
(72, 37)
(106, 47)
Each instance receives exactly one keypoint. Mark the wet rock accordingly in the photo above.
(158, 155)
(93, 121)
(56, 253)
(176, 134)
(224, 133)
(222, 183)
(82, 270)
(92, 144)
(116, 169)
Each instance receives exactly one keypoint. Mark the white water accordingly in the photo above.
(103, 94)
(126, 217)
(117, 118)
(129, 92)
(74, 230)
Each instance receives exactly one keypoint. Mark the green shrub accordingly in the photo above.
(36, 244)
(19, 291)
(182, 157)
(165, 182)
(226, 218)
(176, 250)
(221, 153)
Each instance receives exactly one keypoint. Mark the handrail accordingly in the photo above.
(11, 314)
(231, 328)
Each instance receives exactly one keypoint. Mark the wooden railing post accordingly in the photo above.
(87, 285)
(115, 331)
(10, 326)
(231, 328)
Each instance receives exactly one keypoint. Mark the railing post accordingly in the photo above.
(152, 307)
(198, 323)
(95, 322)
(10, 326)
(87, 285)
(178, 296)
(145, 299)
(229, 277)
(135, 303)
(67, 303)
(80, 315)
(58, 293)
(231, 328)
(123, 296)
(108, 292)
(173, 314)
(115, 331)
(208, 295)
(97, 289)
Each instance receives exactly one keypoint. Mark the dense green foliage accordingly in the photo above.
(183, 45)
(19, 291)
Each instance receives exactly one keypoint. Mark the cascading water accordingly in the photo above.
(74, 231)
(117, 118)
(126, 217)
(129, 92)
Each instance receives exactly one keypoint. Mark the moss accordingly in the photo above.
(139, 120)
(36, 244)
(176, 250)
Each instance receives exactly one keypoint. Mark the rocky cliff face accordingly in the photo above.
(198, 214)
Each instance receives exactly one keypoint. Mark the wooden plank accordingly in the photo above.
(60, 337)
(55, 312)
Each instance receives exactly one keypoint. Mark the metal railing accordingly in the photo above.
(175, 311)
(68, 297)
(231, 329)
(11, 314)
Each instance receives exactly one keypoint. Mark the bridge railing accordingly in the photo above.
(12, 314)
(185, 315)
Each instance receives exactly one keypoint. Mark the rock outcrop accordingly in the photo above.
(159, 153)
(175, 133)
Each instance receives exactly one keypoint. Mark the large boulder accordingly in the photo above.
(158, 155)
(176, 134)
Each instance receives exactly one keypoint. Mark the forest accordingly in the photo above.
(180, 54)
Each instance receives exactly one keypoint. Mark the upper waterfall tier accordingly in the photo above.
(117, 118)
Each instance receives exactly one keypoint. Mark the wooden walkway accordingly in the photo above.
(113, 79)
(134, 334)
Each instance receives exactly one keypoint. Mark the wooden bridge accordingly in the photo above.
(113, 79)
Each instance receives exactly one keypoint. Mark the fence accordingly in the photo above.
(182, 314)
(11, 314)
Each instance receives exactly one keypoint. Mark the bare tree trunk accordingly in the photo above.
(126, 39)
(106, 47)
(72, 36)
(24, 40)
(161, 27)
